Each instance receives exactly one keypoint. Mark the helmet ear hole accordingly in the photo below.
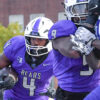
(38, 28)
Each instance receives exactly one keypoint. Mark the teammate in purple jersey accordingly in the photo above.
(31, 57)
(75, 78)
(86, 41)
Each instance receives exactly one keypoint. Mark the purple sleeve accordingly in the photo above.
(94, 95)
(8, 49)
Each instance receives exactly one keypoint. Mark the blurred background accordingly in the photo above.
(22, 11)
(15, 15)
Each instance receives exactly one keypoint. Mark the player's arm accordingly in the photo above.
(64, 46)
(92, 61)
(4, 61)
(55, 83)
(60, 45)
(89, 43)
(91, 58)
(96, 44)
(86, 49)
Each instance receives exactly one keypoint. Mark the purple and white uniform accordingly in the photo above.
(30, 81)
(74, 75)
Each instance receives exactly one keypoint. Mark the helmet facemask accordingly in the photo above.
(37, 50)
(40, 33)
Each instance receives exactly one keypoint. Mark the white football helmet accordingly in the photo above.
(38, 28)
(76, 10)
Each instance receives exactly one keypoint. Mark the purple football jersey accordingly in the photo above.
(75, 75)
(30, 81)
(94, 95)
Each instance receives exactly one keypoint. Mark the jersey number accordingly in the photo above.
(89, 71)
(31, 87)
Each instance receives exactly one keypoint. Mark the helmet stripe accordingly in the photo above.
(36, 26)
(98, 30)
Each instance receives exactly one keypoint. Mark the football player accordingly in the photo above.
(87, 37)
(86, 41)
(31, 57)
(75, 78)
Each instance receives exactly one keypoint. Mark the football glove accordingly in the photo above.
(7, 79)
(78, 45)
(84, 35)
(51, 92)
(82, 40)
(82, 48)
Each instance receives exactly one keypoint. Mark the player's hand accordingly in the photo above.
(7, 80)
(51, 92)
(84, 35)
(82, 48)
(82, 40)
(7, 83)
(78, 45)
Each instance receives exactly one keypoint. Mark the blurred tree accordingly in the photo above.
(6, 33)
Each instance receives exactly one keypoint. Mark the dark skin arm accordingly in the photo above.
(64, 46)
(91, 59)
(93, 62)
(96, 44)
(4, 61)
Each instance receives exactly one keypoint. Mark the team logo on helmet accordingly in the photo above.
(34, 33)
(81, 0)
